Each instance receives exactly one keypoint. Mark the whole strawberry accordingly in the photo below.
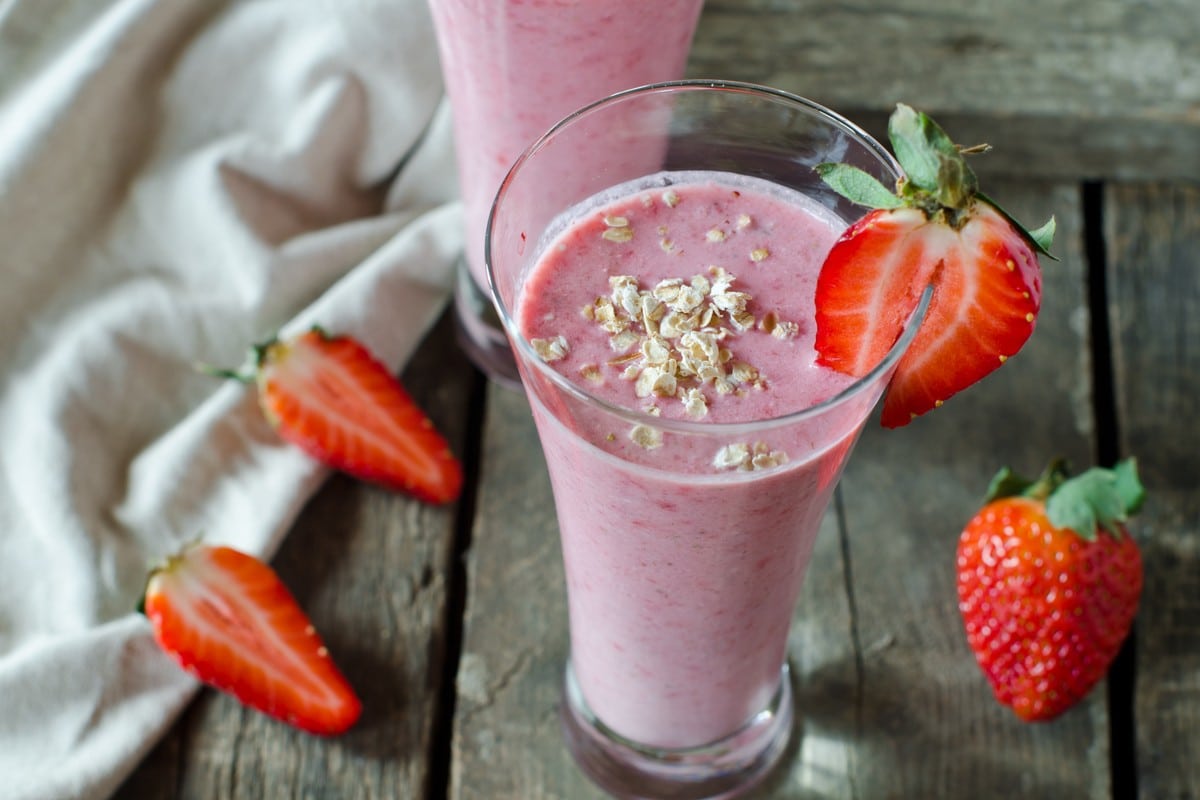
(1048, 583)
(937, 230)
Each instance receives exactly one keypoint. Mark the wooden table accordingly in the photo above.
(451, 621)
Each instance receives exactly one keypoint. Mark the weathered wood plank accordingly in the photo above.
(507, 740)
(898, 706)
(371, 568)
(1066, 88)
(1152, 238)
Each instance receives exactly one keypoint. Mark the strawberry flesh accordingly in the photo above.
(226, 618)
(987, 292)
(869, 284)
(329, 396)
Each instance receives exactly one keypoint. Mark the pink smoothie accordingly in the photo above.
(515, 67)
(685, 542)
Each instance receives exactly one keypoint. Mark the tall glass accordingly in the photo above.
(682, 578)
(512, 69)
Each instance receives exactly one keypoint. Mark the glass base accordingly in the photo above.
(479, 330)
(722, 769)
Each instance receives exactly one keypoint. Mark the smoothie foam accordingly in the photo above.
(686, 299)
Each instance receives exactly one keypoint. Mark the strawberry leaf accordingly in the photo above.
(1129, 486)
(857, 186)
(915, 151)
(1043, 237)
(1007, 483)
(1098, 498)
(1040, 239)
(930, 159)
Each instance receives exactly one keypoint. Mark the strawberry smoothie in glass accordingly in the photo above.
(513, 68)
(662, 321)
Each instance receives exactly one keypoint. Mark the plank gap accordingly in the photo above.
(442, 731)
(1121, 675)
(1104, 402)
(852, 610)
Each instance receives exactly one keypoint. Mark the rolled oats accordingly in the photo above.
(551, 349)
(646, 436)
(747, 457)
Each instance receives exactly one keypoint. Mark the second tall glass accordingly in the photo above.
(512, 69)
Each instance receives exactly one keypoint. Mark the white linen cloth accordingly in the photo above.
(179, 179)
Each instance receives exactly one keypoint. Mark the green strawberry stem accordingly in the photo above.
(1097, 499)
(936, 178)
(247, 373)
(240, 375)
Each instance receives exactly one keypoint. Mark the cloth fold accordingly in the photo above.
(178, 180)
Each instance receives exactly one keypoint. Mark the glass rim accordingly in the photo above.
(528, 355)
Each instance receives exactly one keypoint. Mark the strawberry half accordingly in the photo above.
(1048, 584)
(331, 397)
(936, 230)
(227, 618)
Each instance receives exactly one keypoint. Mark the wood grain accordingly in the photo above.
(507, 742)
(1062, 88)
(1153, 236)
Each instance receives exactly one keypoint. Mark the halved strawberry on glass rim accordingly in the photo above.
(937, 230)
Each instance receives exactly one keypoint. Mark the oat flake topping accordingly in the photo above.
(746, 457)
(616, 229)
(645, 436)
(551, 349)
(669, 338)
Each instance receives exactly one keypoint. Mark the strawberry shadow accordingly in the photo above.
(377, 599)
(892, 726)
